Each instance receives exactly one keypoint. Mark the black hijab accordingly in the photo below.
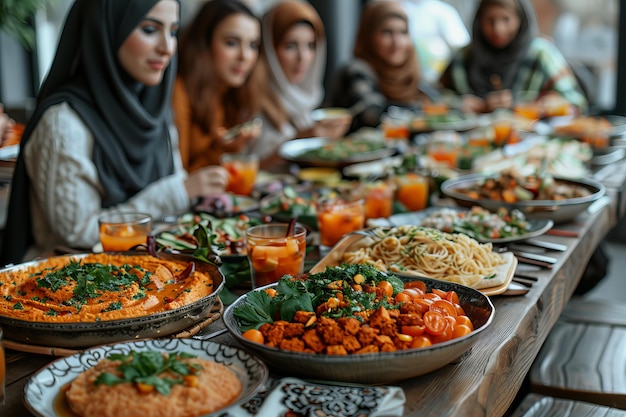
(128, 120)
(484, 60)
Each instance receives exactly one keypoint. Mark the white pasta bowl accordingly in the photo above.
(374, 368)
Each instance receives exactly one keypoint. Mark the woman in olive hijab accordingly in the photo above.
(100, 138)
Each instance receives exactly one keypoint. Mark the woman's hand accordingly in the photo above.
(500, 99)
(6, 123)
(205, 181)
(473, 104)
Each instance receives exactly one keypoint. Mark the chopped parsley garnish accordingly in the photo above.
(90, 280)
(148, 368)
(293, 295)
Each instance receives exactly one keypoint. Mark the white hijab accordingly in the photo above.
(298, 100)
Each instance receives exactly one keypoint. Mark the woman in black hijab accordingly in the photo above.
(101, 137)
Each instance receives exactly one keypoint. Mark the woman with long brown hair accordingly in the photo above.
(217, 53)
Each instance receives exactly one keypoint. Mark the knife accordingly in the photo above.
(546, 245)
(535, 256)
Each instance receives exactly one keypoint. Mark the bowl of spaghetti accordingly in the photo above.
(411, 251)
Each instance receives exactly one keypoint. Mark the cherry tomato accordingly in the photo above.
(403, 297)
(254, 335)
(422, 305)
(432, 296)
(461, 330)
(466, 321)
(445, 335)
(435, 322)
(420, 285)
(415, 330)
(441, 293)
(444, 307)
(453, 297)
(386, 287)
(421, 342)
(415, 293)
(271, 292)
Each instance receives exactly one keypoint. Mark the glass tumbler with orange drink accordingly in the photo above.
(121, 231)
(275, 251)
(444, 146)
(242, 170)
(412, 191)
(378, 198)
(337, 217)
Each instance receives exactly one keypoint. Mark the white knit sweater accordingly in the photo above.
(66, 191)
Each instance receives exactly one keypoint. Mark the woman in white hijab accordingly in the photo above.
(293, 60)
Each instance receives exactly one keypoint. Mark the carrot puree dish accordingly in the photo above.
(88, 299)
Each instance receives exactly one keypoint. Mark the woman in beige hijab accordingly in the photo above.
(293, 60)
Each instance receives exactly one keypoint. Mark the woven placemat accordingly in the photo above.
(214, 314)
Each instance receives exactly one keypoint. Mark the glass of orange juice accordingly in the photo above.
(337, 217)
(121, 231)
(242, 170)
(412, 191)
(273, 252)
(395, 128)
(378, 197)
(444, 146)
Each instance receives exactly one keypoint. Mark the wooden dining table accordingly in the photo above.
(485, 380)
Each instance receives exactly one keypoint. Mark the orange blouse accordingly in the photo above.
(197, 148)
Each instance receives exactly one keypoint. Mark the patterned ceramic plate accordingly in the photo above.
(42, 390)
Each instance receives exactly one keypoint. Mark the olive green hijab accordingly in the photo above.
(128, 120)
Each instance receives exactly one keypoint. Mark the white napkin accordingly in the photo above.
(312, 399)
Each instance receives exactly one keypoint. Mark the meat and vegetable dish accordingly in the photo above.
(351, 309)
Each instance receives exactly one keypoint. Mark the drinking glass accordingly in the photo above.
(273, 253)
(337, 217)
(242, 171)
(444, 146)
(412, 191)
(378, 198)
(120, 231)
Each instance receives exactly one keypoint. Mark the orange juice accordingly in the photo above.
(502, 130)
(273, 254)
(242, 170)
(337, 217)
(435, 109)
(121, 231)
(395, 128)
(412, 191)
(378, 200)
(531, 111)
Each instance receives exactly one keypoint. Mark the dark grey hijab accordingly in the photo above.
(485, 60)
(129, 121)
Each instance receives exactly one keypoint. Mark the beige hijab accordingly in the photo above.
(397, 83)
(290, 101)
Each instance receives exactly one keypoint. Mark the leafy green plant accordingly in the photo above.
(16, 18)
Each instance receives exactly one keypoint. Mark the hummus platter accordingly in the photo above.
(88, 299)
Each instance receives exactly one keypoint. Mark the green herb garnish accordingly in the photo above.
(148, 368)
